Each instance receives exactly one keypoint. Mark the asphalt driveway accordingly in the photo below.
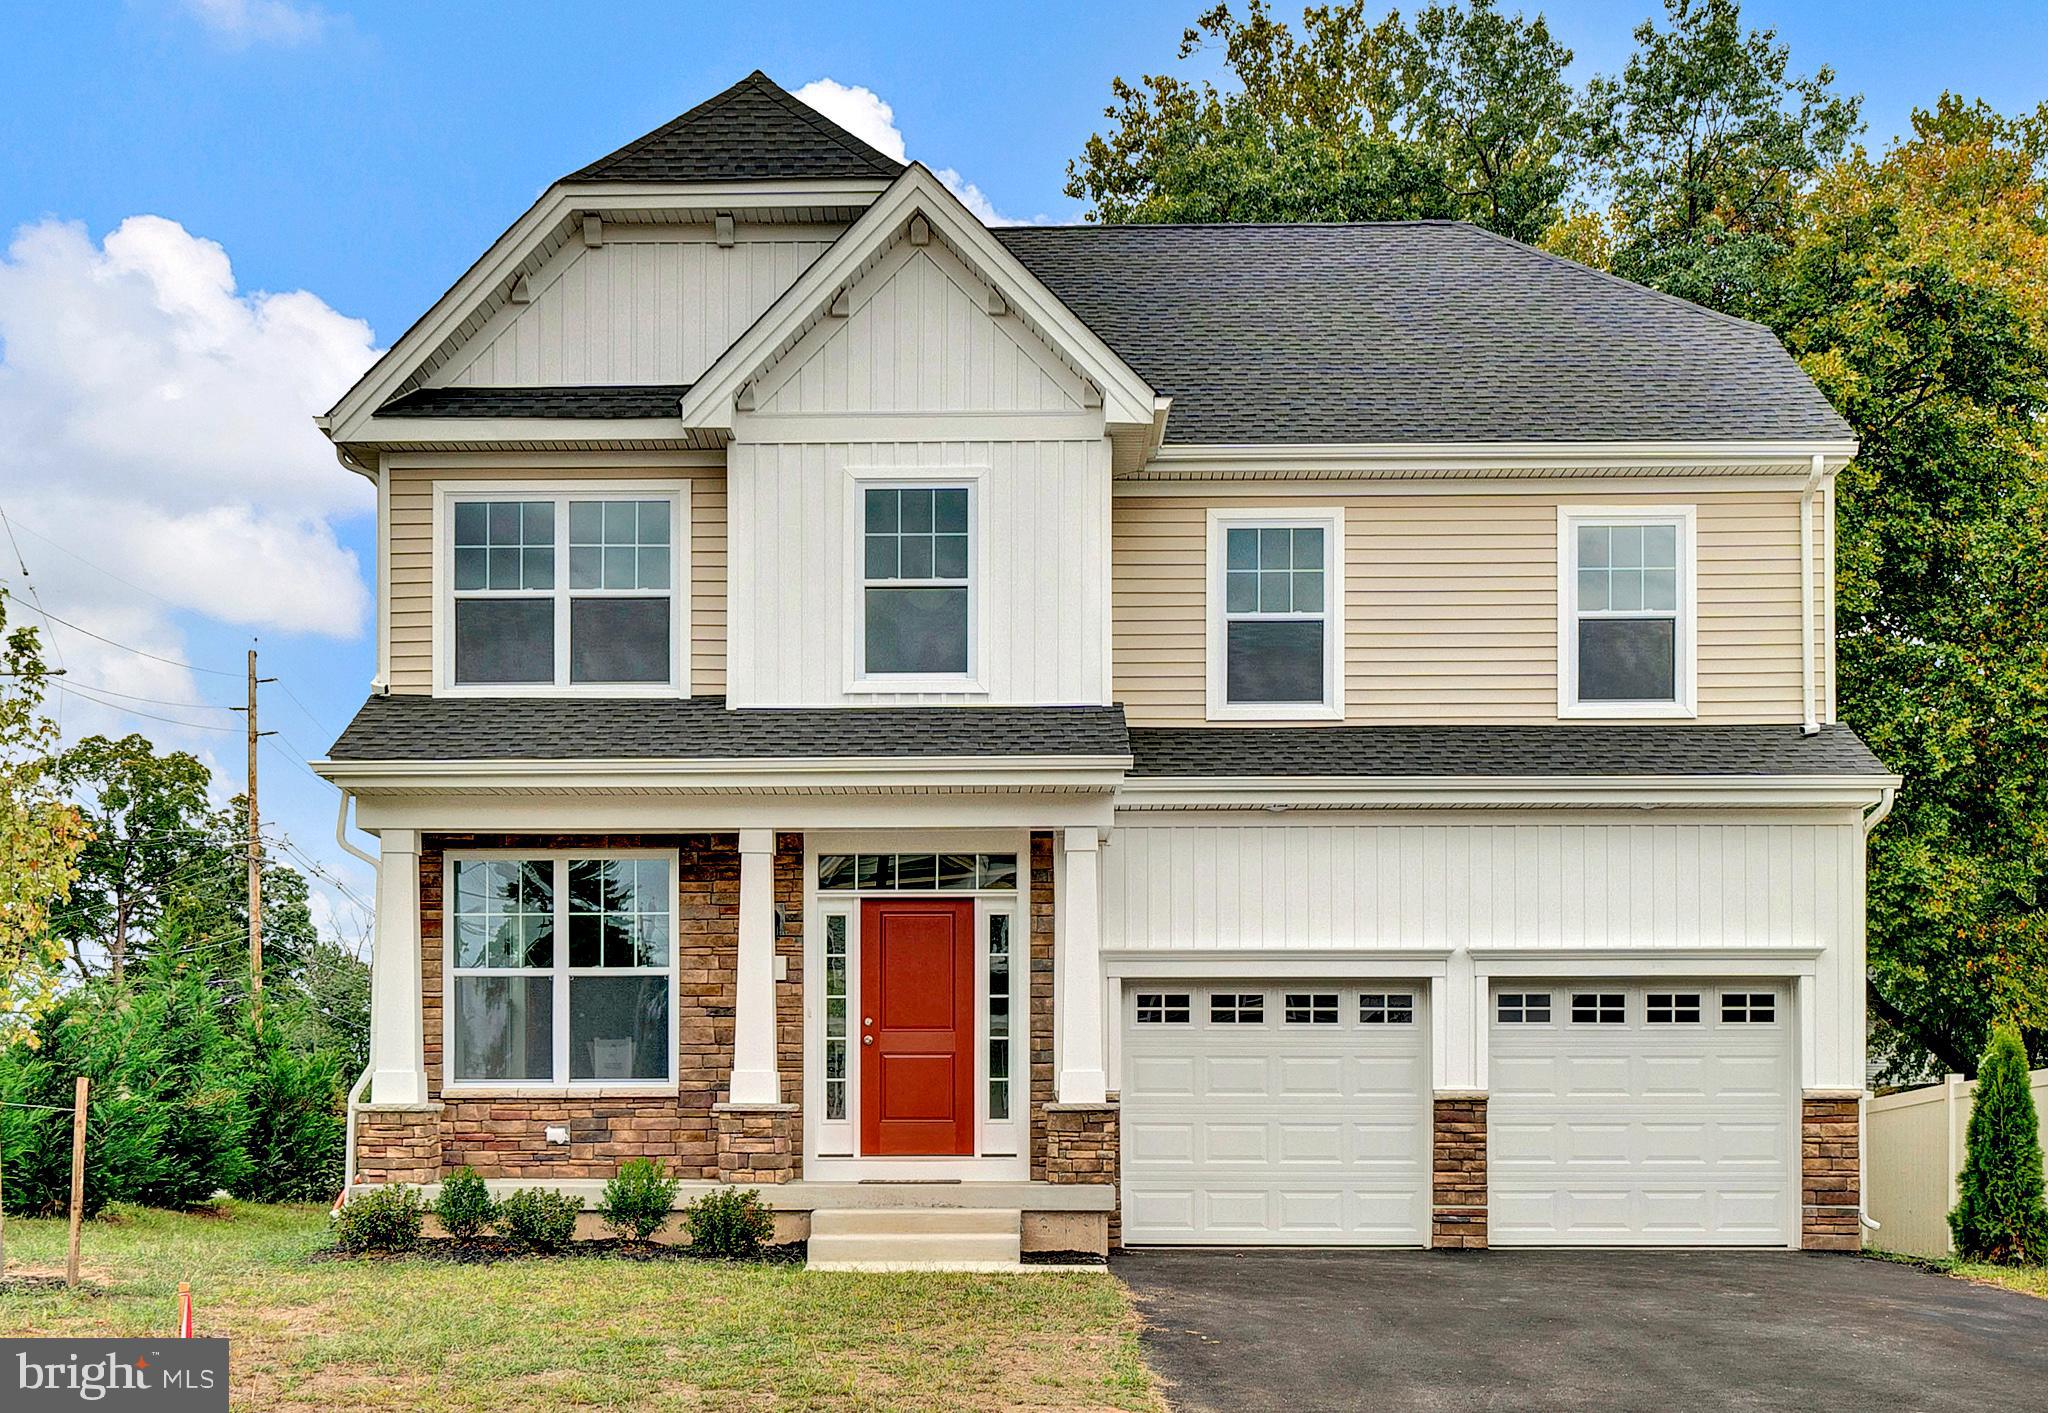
(1323, 1330)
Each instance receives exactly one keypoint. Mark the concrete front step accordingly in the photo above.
(852, 1221)
(941, 1239)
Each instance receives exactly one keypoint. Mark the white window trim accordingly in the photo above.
(560, 972)
(1330, 520)
(1685, 668)
(860, 480)
(448, 493)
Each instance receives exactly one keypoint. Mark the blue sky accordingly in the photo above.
(154, 454)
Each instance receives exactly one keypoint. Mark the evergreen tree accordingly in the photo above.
(1999, 1214)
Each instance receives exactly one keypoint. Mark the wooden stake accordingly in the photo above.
(77, 1181)
(255, 868)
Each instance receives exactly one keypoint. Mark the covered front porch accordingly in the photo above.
(855, 999)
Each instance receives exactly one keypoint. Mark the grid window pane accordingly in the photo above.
(1310, 1008)
(1523, 1007)
(618, 913)
(1673, 1008)
(1386, 1008)
(999, 974)
(498, 535)
(1162, 1008)
(1274, 600)
(1598, 1008)
(1237, 1008)
(835, 1015)
(1241, 549)
(1627, 589)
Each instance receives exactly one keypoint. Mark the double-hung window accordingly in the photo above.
(562, 969)
(1275, 615)
(917, 583)
(1625, 632)
(564, 591)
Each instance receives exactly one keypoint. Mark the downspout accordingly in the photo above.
(1808, 691)
(1870, 822)
(356, 1090)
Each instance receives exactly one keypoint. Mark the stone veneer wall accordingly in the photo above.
(503, 1135)
(1081, 1146)
(1457, 1218)
(1041, 906)
(1831, 1179)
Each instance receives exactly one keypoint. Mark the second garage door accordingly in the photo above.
(1642, 1115)
(1276, 1113)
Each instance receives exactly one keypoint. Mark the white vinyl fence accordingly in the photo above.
(1915, 1152)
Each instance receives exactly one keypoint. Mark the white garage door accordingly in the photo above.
(1633, 1115)
(1276, 1113)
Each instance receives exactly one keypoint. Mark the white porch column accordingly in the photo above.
(397, 1058)
(754, 1076)
(1078, 1015)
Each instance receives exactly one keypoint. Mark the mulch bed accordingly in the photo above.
(1063, 1258)
(490, 1250)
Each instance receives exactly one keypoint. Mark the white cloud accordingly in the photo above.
(157, 449)
(245, 22)
(865, 114)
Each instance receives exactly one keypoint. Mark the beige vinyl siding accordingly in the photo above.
(1451, 604)
(412, 558)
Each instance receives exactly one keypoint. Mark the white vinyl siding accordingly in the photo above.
(1450, 604)
(657, 304)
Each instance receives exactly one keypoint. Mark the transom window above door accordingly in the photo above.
(562, 591)
(1625, 602)
(920, 873)
(1275, 629)
(917, 582)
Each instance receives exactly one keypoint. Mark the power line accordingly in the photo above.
(112, 643)
(135, 697)
(28, 529)
(303, 708)
(131, 711)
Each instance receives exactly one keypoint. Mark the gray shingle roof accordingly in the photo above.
(418, 728)
(1423, 331)
(1468, 751)
(754, 131)
(612, 400)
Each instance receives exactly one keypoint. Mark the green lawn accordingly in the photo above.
(538, 1335)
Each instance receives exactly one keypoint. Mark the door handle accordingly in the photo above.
(867, 1040)
(867, 1020)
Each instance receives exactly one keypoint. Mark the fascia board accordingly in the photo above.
(1503, 792)
(424, 431)
(1409, 458)
(1101, 773)
(1127, 398)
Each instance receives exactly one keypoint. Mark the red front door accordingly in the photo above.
(916, 1027)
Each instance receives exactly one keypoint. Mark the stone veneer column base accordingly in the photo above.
(759, 1143)
(1831, 1178)
(1457, 1216)
(1081, 1146)
(398, 1143)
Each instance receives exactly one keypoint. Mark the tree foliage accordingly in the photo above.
(1703, 146)
(1465, 114)
(41, 835)
(1999, 1214)
(1917, 296)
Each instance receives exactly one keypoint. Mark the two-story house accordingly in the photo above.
(1252, 734)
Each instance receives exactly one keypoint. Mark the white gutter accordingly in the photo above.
(1807, 688)
(1502, 792)
(1882, 808)
(787, 773)
(356, 1090)
(1870, 822)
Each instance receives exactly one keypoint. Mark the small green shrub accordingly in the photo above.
(465, 1206)
(382, 1219)
(1999, 1214)
(729, 1222)
(543, 1220)
(637, 1201)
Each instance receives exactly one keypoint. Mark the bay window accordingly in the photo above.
(572, 590)
(561, 969)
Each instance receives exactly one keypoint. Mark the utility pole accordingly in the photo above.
(255, 868)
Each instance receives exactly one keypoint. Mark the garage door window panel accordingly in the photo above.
(1524, 1007)
(1674, 1008)
(1162, 1008)
(1237, 1008)
(1311, 1008)
(1599, 1008)
(1386, 1008)
(1749, 1007)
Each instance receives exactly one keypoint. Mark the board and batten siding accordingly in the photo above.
(411, 604)
(1451, 604)
(1043, 525)
(1184, 883)
(658, 307)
